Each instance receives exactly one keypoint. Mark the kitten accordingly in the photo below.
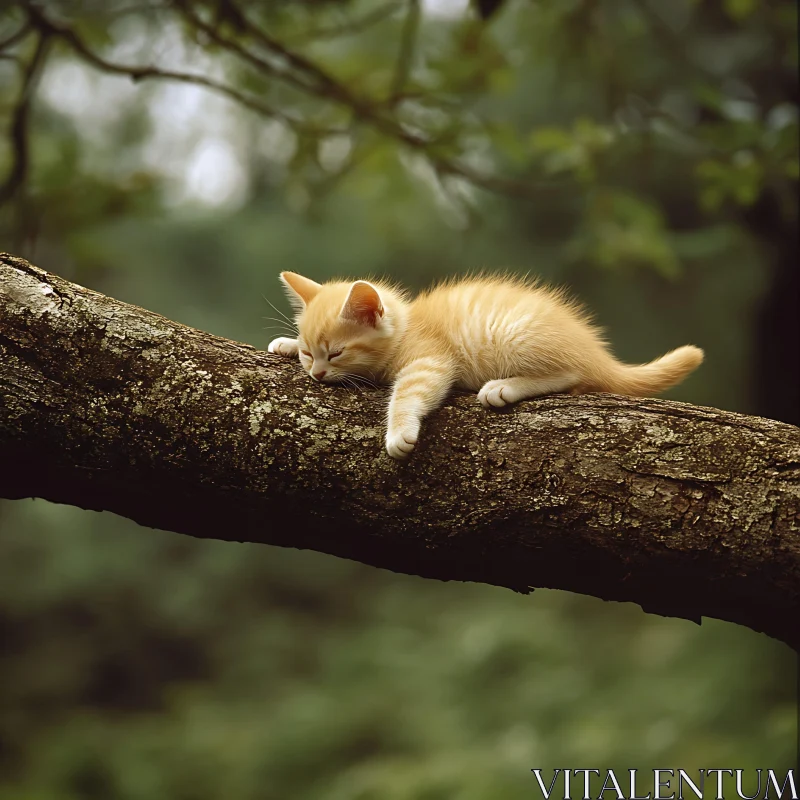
(507, 339)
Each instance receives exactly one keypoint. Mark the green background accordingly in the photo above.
(658, 142)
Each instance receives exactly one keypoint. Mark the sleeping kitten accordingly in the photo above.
(505, 338)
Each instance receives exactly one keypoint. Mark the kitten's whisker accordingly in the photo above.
(371, 382)
(282, 322)
(347, 386)
(278, 311)
(374, 379)
(347, 382)
(356, 384)
(283, 331)
(277, 319)
(350, 382)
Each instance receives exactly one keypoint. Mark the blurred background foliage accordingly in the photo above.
(644, 152)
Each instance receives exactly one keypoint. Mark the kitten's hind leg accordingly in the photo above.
(499, 393)
(283, 346)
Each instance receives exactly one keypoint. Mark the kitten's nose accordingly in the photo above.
(320, 374)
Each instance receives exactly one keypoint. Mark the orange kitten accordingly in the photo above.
(506, 339)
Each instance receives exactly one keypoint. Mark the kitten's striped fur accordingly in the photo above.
(505, 338)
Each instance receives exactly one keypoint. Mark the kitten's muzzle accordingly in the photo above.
(319, 374)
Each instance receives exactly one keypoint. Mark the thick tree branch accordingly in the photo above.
(687, 511)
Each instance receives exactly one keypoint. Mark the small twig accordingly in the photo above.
(350, 28)
(367, 111)
(16, 37)
(137, 73)
(308, 78)
(19, 130)
(672, 42)
(136, 9)
(406, 53)
(324, 85)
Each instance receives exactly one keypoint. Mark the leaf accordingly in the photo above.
(740, 9)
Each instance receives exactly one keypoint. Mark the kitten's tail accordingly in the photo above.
(656, 376)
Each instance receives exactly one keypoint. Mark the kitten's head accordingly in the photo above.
(345, 329)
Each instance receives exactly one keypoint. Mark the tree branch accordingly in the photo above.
(353, 27)
(405, 55)
(138, 73)
(307, 77)
(19, 131)
(304, 75)
(687, 511)
(15, 38)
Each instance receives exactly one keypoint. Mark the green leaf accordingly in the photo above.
(740, 9)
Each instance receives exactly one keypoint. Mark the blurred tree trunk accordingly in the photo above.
(687, 511)
(773, 220)
(776, 371)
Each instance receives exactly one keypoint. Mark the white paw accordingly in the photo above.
(283, 346)
(496, 394)
(400, 442)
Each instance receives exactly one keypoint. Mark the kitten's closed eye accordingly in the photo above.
(331, 356)
(305, 353)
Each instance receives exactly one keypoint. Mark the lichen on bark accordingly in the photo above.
(687, 511)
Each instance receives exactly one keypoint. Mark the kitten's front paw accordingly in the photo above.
(283, 346)
(400, 442)
(496, 394)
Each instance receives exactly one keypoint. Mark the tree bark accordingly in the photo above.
(686, 511)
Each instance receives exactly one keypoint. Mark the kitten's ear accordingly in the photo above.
(363, 304)
(301, 291)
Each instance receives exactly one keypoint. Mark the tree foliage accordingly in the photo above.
(658, 115)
